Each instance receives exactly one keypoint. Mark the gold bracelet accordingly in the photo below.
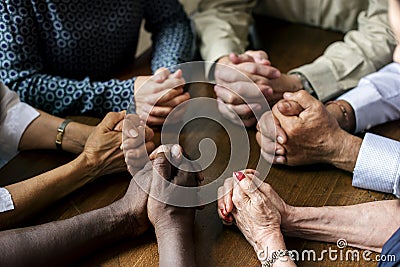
(60, 133)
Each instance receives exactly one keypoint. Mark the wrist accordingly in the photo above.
(87, 166)
(174, 231)
(271, 241)
(346, 151)
(176, 247)
(75, 137)
(343, 113)
(274, 252)
(296, 83)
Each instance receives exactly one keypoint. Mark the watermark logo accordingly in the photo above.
(331, 254)
(341, 243)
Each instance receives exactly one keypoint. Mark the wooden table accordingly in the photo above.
(288, 46)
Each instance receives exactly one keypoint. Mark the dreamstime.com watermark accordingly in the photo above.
(331, 254)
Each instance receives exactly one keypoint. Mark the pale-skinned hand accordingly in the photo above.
(225, 194)
(137, 142)
(244, 83)
(255, 214)
(156, 96)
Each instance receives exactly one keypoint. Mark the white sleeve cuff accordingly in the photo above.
(6, 202)
(378, 165)
(18, 118)
(376, 98)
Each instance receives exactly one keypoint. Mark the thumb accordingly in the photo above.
(111, 120)
(160, 75)
(259, 56)
(173, 152)
(304, 99)
(237, 59)
(161, 167)
(247, 186)
(289, 108)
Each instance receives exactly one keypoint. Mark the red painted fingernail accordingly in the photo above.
(223, 212)
(239, 175)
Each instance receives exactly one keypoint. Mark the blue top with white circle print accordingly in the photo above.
(60, 55)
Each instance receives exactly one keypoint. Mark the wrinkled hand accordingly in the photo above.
(164, 217)
(137, 143)
(255, 214)
(102, 149)
(243, 84)
(314, 135)
(270, 136)
(156, 96)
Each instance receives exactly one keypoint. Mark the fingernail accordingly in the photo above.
(280, 140)
(223, 212)
(287, 95)
(279, 152)
(286, 105)
(280, 160)
(175, 151)
(133, 133)
(277, 74)
(239, 175)
(121, 147)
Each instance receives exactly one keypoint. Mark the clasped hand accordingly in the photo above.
(246, 82)
(306, 132)
(156, 96)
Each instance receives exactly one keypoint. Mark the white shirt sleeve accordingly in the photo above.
(15, 117)
(378, 165)
(13, 127)
(6, 202)
(376, 99)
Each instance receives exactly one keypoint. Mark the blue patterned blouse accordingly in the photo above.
(61, 55)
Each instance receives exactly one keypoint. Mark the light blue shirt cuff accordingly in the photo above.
(378, 165)
(6, 202)
(376, 99)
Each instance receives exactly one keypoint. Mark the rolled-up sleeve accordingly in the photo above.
(378, 165)
(362, 52)
(376, 99)
(13, 127)
(15, 117)
(223, 27)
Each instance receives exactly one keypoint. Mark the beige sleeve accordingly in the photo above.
(363, 51)
(223, 27)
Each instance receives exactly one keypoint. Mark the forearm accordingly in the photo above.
(343, 113)
(345, 63)
(366, 226)
(62, 241)
(32, 195)
(42, 132)
(176, 247)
